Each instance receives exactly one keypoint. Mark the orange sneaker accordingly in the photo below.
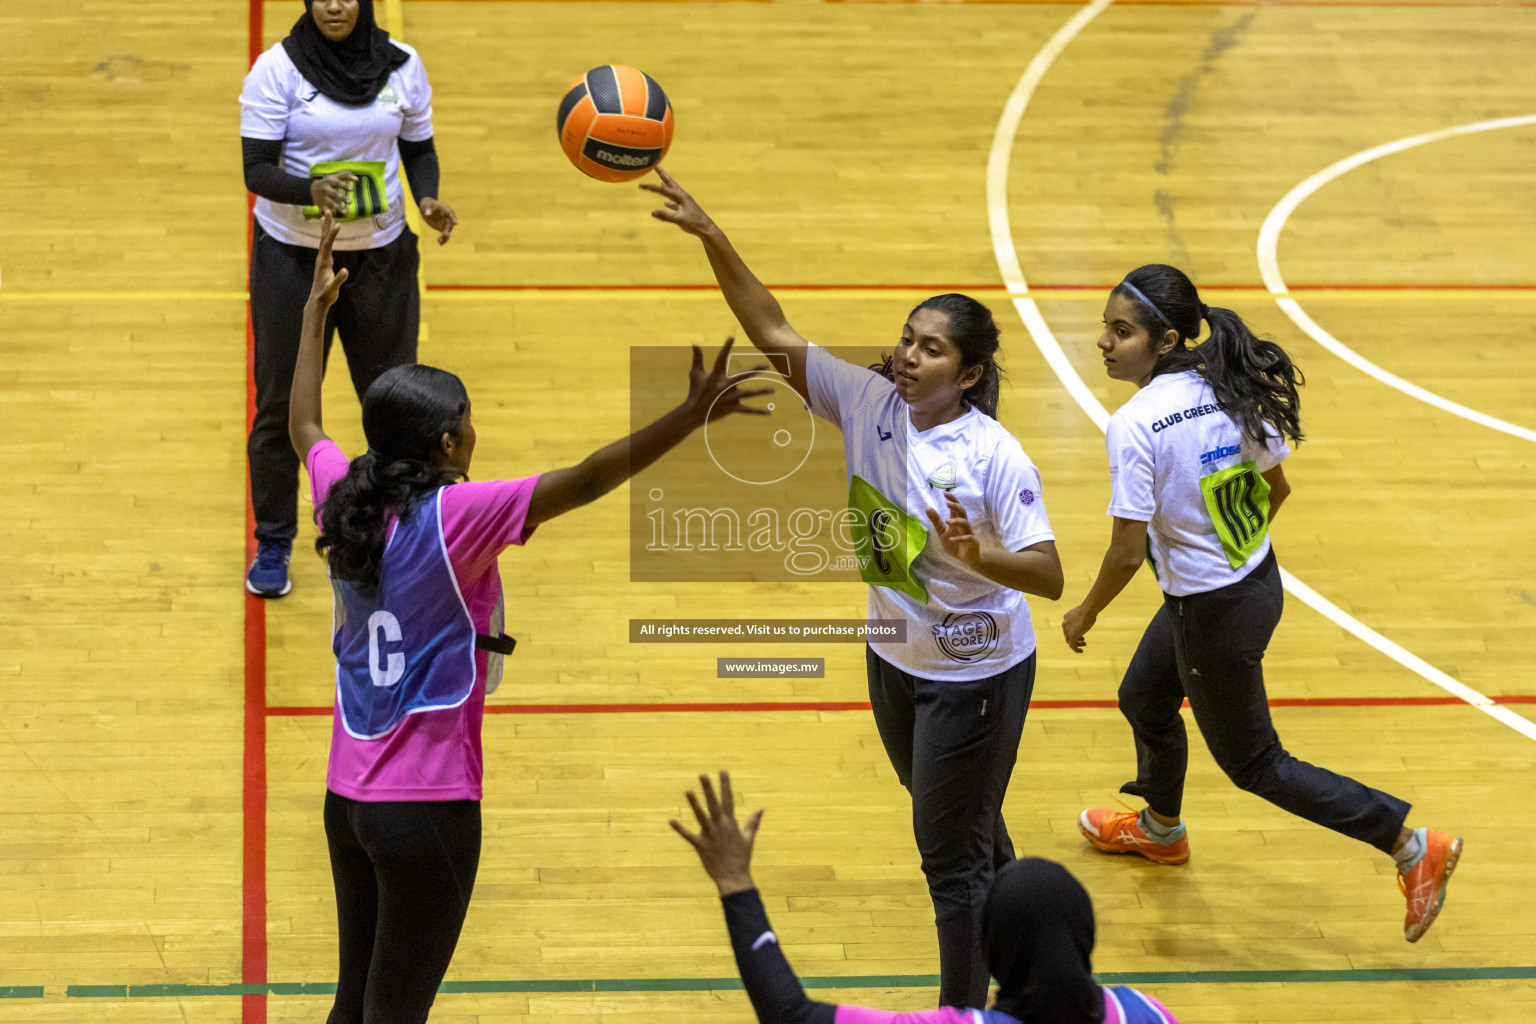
(1121, 832)
(1424, 884)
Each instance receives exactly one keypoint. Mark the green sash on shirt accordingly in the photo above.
(889, 541)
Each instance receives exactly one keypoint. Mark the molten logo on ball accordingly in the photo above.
(622, 160)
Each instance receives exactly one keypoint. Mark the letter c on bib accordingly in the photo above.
(879, 523)
(394, 662)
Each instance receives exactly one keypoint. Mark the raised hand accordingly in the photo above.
(327, 284)
(680, 206)
(439, 216)
(724, 848)
(715, 394)
(955, 534)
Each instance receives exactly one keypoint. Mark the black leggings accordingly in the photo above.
(403, 874)
(1210, 648)
(378, 313)
(953, 744)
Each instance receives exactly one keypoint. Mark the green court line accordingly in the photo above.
(326, 988)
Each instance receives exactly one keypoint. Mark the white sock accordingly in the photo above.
(1157, 830)
(1412, 851)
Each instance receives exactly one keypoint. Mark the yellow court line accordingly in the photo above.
(394, 24)
(122, 296)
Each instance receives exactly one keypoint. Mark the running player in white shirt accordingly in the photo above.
(328, 117)
(926, 453)
(1195, 480)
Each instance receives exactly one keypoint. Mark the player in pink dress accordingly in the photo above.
(412, 547)
(1037, 932)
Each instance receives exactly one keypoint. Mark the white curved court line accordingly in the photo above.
(997, 211)
(1045, 341)
(1269, 267)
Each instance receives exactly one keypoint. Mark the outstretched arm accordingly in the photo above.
(1127, 550)
(754, 306)
(710, 396)
(304, 421)
(725, 849)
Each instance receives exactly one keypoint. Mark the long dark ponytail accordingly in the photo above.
(1252, 378)
(975, 334)
(406, 412)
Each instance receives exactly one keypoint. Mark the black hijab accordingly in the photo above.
(353, 71)
(1037, 928)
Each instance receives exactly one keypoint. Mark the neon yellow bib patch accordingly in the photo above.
(1238, 500)
(889, 542)
(368, 199)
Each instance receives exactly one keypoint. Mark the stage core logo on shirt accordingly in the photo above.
(966, 637)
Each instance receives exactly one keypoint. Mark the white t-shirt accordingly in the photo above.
(1169, 437)
(277, 102)
(971, 627)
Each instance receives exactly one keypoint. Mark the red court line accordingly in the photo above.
(1186, 3)
(253, 789)
(301, 711)
(1071, 3)
(991, 286)
(709, 287)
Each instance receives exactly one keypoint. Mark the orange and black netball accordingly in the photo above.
(614, 123)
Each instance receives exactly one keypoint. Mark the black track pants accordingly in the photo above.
(1210, 648)
(403, 872)
(953, 744)
(378, 313)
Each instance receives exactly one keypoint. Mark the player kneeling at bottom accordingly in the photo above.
(1037, 929)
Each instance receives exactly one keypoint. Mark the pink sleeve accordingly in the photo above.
(865, 1015)
(1167, 1013)
(326, 464)
(480, 520)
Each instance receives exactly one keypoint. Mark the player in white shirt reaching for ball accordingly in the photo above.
(1195, 481)
(925, 453)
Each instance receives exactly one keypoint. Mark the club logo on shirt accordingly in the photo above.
(1026, 497)
(966, 637)
(1218, 453)
(943, 478)
(388, 94)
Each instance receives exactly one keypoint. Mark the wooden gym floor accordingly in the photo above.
(163, 764)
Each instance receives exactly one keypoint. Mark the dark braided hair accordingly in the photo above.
(975, 334)
(1253, 379)
(406, 412)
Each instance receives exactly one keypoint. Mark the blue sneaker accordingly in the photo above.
(269, 572)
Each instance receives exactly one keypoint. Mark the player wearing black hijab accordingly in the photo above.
(352, 69)
(1037, 928)
(328, 118)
